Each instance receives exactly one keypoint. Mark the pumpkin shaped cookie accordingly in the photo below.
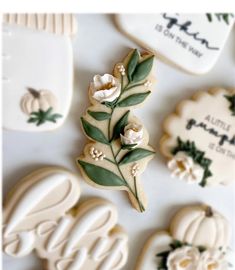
(37, 70)
(198, 239)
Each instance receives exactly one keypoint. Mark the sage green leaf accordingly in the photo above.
(132, 64)
(134, 155)
(93, 132)
(120, 125)
(100, 175)
(128, 146)
(133, 99)
(143, 69)
(99, 116)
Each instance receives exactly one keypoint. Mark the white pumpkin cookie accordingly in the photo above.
(198, 239)
(37, 84)
(119, 151)
(199, 138)
(41, 215)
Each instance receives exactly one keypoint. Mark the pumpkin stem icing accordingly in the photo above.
(34, 92)
(209, 211)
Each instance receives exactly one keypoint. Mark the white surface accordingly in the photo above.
(26, 66)
(97, 47)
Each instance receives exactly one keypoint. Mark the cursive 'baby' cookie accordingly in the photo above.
(41, 215)
(119, 150)
(198, 239)
(199, 138)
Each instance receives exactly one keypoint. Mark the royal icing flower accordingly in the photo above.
(184, 258)
(213, 259)
(135, 169)
(133, 134)
(105, 88)
(183, 166)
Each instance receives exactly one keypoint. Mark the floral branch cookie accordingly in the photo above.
(119, 151)
(199, 139)
(198, 239)
(41, 215)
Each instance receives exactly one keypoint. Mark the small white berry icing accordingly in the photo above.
(183, 167)
(105, 88)
(96, 154)
(133, 134)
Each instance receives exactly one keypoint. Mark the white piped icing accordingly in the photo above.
(63, 24)
(133, 134)
(81, 240)
(105, 88)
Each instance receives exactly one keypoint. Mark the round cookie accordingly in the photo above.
(198, 239)
(41, 214)
(118, 151)
(199, 138)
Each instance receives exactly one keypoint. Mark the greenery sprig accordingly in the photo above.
(220, 17)
(136, 73)
(231, 99)
(42, 117)
(198, 157)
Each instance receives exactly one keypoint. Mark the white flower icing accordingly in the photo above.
(183, 167)
(133, 134)
(105, 88)
(213, 259)
(185, 258)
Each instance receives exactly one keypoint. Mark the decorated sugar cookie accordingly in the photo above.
(41, 215)
(199, 138)
(192, 42)
(198, 239)
(118, 151)
(37, 70)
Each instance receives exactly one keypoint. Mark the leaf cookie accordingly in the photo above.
(119, 151)
(41, 215)
(199, 139)
(198, 239)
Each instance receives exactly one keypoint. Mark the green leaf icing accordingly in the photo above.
(136, 72)
(132, 64)
(142, 70)
(231, 99)
(101, 176)
(93, 132)
(99, 116)
(120, 125)
(42, 117)
(220, 17)
(198, 157)
(133, 100)
(134, 155)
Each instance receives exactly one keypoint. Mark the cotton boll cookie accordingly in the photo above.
(199, 138)
(118, 151)
(41, 215)
(198, 239)
(37, 70)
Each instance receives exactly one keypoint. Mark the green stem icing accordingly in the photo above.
(134, 193)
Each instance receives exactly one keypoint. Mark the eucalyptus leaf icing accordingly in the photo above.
(118, 151)
(40, 217)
